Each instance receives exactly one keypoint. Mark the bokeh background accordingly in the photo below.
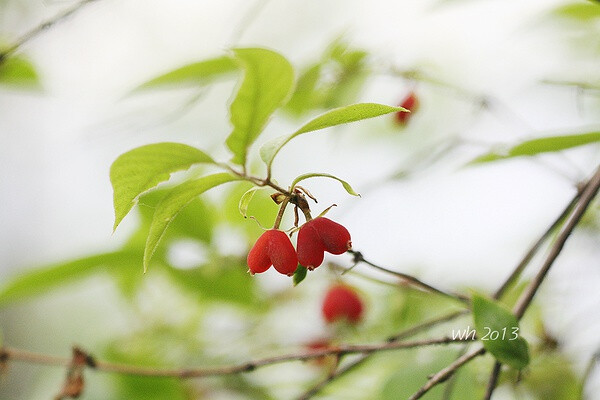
(488, 74)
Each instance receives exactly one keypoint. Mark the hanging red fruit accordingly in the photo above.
(318, 236)
(273, 248)
(411, 103)
(342, 303)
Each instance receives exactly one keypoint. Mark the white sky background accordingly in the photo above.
(454, 227)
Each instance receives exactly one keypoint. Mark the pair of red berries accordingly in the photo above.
(315, 237)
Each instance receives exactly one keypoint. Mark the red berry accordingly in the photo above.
(273, 248)
(342, 302)
(318, 236)
(410, 102)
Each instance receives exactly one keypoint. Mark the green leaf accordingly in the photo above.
(196, 74)
(338, 116)
(306, 96)
(146, 351)
(268, 80)
(186, 223)
(144, 167)
(173, 203)
(541, 145)
(579, 12)
(262, 208)
(246, 199)
(222, 280)
(345, 184)
(299, 274)
(499, 332)
(17, 71)
(42, 280)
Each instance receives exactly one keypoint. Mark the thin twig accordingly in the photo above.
(405, 334)
(451, 383)
(358, 257)
(10, 354)
(445, 373)
(41, 28)
(588, 371)
(492, 381)
(516, 273)
(247, 20)
(590, 189)
(588, 194)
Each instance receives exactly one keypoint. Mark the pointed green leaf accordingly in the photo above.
(17, 71)
(541, 145)
(142, 168)
(268, 80)
(42, 280)
(299, 274)
(499, 332)
(195, 74)
(345, 184)
(173, 203)
(306, 95)
(246, 199)
(338, 116)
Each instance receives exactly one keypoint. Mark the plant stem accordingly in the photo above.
(405, 334)
(492, 381)
(535, 248)
(10, 354)
(445, 373)
(358, 257)
(41, 28)
(589, 192)
(282, 207)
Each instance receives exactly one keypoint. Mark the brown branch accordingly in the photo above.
(41, 28)
(451, 382)
(447, 372)
(405, 334)
(358, 257)
(10, 354)
(535, 248)
(589, 192)
(492, 381)
(590, 189)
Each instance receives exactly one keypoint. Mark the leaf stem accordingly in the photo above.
(284, 204)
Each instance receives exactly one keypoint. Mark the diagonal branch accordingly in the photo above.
(447, 372)
(589, 192)
(579, 205)
(405, 334)
(41, 28)
(358, 257)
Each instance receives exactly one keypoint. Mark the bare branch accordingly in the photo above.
(588, 194)
(535, 248)
(445, 373)
(405, 334)
(9, 354)
(358, 257)
(493, 381)
(41, 28)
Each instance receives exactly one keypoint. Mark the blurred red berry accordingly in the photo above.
(273, 248)
(342, 302)
(410, 102)
(318, 236)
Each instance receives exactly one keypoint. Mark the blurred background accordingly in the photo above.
(488, 74)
